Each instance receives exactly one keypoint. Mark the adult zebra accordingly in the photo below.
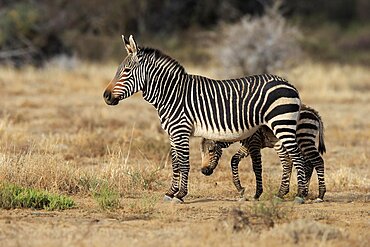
(193, 105)
(309, 127)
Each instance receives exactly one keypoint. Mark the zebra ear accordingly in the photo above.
(133, 44)
(127, 44)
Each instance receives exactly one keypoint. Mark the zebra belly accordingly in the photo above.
(228, 135)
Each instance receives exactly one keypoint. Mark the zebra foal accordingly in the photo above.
(310, 126)
(193, 105)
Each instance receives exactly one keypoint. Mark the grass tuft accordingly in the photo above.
(269, 211)
(14, 196)
(106, 197)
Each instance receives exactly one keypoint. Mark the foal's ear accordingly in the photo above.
(130, 45)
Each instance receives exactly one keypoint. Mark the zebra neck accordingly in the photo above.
(165, 98)
(163, 86)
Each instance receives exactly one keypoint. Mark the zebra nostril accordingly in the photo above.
(207, 171)
(107, 95)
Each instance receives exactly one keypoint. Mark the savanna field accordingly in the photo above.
(57, 135)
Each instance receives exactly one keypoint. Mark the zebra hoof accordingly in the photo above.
(176, 200)
(242, 199)
(167, 198)
(299, 200)
(277, 199)
(256, 198)
(318, 200)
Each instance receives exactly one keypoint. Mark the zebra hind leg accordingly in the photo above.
(314, 161)
(290, 144)
(318, 163)
(285, 178)
(287, 165)
(298, 162)
(322, 187)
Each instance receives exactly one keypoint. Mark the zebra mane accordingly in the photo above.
(161, 56)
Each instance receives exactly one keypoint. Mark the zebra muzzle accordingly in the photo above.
(109, 98)
(207, 171)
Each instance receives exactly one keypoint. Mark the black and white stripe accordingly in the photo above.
(310, 128)
(193, 105)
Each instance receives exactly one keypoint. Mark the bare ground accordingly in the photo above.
(344, 220)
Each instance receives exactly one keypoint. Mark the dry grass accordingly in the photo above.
(304, 231)
(56, 133)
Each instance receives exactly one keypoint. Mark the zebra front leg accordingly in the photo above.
(175, 175)
(235, 173)
(182, 151)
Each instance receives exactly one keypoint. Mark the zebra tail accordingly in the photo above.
(322, 148)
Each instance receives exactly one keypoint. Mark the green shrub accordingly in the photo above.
(14, 196)
(106, 197)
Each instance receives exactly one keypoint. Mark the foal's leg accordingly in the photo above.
(317, 162)
(255, 153)
(235, 160)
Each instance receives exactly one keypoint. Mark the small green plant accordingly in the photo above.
(269, 211)
(14, 196)
(106, 197)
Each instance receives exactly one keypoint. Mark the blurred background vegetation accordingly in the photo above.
(37, 31)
